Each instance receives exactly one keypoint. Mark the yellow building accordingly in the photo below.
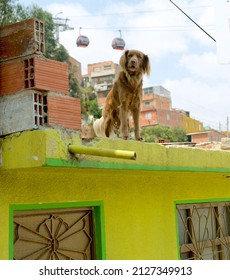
(168, 203)
(192, 125)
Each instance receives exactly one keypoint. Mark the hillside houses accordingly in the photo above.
(156, 105)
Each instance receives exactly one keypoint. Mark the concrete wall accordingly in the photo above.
(16, 112)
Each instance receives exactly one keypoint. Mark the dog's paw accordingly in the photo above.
(140, 139)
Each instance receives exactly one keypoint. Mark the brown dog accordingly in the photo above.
(125, 97)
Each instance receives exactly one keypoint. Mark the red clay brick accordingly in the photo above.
(21, 39)
(64, 111)
(33, 73)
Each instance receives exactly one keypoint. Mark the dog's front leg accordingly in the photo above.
(136, 116)
(124, 121)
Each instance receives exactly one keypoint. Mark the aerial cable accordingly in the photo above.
(193, 21)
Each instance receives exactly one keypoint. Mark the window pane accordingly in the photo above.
(203, 224)
(204, 231)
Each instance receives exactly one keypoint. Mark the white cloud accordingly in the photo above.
(205, 65)
(207, 103)
(149, 32)
(205, 91)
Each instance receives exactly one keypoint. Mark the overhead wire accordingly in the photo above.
(139, 12)
(150, 28)
(192, 20)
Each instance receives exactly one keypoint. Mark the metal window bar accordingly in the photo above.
(65, 234)
(204, 231)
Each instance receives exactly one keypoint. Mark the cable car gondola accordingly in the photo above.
(82, 41)
(118, 43)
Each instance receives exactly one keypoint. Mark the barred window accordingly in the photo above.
(204, 231)
(54, 234)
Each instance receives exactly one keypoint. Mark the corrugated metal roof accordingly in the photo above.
(64, 111)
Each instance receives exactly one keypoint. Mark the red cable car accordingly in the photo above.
(118, 43)
(82, 41)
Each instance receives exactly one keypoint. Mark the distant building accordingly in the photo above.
(156, 107)
(101, 76)
(157, 110)
(192, 125)
(206, 136)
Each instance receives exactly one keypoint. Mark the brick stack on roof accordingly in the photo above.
(33, 89)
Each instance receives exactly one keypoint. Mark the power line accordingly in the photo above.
(149, 28)
(192, 20)
(139, 12)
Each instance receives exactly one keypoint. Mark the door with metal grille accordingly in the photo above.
(59, 234)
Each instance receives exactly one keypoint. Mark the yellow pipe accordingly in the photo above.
(79, 149)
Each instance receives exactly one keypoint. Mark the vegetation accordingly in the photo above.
(89, 103)
(156, 133)
(11, 12)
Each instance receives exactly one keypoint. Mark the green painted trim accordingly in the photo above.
(98, 216)
(60, 162)
(100, 232)
(178, 202)
(211, 200)
(177, 232)
(115, 165)
(11, 233)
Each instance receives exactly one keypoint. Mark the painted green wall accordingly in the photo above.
(139, 206)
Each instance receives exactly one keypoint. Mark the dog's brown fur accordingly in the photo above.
(125, 97)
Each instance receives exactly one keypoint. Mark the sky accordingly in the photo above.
(184, 59)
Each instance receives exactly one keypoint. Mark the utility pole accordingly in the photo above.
(228, 127)
(61, 25)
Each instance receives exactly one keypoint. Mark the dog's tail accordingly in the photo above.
(103, 128)
(99, 127)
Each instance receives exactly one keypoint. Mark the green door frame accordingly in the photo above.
(99, 224)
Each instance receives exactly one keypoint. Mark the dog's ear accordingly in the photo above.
(123, 59)
(146, 65)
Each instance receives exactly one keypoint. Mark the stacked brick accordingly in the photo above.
(33, 89)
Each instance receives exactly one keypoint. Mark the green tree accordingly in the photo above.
(12, 12)
(74, 89)
(89, 103)
(156, 133)
(53, 51)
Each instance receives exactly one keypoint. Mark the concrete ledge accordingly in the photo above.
(50, 148)
(31, 148)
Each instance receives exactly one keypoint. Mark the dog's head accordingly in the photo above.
(134, 61)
